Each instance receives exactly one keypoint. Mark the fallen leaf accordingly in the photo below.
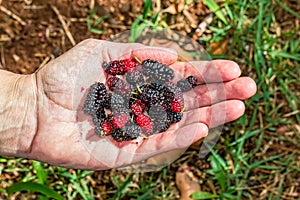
(282, 129)
(175, 8)
(219, 48)
(186, 182)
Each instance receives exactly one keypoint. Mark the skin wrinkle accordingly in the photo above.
(19, 127)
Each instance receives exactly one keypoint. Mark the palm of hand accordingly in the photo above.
(64, 132)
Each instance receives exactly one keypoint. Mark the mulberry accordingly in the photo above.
(156, 70)
(145, 102)
(119, 86)
(137, 108)
(184, 85)
(192, 80)
(120, 120)
(132, 131)
(95, 98)
(105, 128)
(152, 94)
(135, 77)
(187, 84)
(145, 123)
(174, 116)
(119, 67)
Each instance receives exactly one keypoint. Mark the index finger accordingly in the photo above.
(208, 71)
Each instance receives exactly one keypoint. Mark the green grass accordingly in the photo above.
(243, 163)
(274, 64)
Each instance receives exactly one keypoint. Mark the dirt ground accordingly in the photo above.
(28, 40)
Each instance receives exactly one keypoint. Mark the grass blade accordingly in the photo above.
(203, 195)
(147, 8)
(34, 187)
(286, 8)
(40, 172)
(213, 6)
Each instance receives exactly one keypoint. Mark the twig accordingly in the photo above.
(188, 15)
(2, 61)
(65, 27)
(45, 61)
(92, 4)
(203, 26)
(12, 15)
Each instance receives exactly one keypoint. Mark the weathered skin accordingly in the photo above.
(63, 134)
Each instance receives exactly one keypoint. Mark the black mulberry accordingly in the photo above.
(156, 70)
(95, 98)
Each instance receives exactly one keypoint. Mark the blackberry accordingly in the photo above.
(135, 77)
(159, 118)
(156, 70)
(151, 108)
(95, 98)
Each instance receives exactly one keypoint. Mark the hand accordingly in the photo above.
(65, 134)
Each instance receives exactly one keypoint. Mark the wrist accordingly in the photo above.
(18, 121)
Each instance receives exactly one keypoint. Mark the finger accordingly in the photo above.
(215, 115)
(116, 51)
(204, 95)
(163, 55)
(208, 71)
(175, 139)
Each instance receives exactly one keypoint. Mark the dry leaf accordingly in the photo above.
(219, 48)
(171, 9)
(175, 8)
(186, 182)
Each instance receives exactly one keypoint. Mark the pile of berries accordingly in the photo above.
(138, 99)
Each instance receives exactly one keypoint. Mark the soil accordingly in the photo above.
(28, 42)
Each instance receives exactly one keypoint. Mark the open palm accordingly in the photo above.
(65, 135)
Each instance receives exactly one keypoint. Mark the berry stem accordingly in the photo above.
(144, 136)
(184, 106)
(137, 59)
(138, 88)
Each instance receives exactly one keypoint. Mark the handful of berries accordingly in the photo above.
(138, 99)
